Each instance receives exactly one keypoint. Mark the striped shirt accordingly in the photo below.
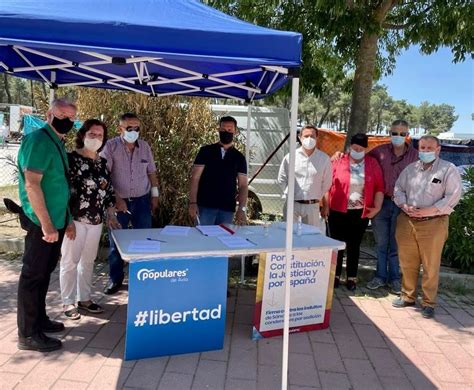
(129, 170)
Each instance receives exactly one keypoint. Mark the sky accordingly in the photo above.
(436, 79)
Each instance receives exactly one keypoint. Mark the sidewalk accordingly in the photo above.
(369, 345)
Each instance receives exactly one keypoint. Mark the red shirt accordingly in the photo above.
(341, 176)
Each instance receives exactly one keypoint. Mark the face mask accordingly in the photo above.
(357, 155)
(308, 143)
(398, 140)
(62, 126)
(92, 144)
(130, 136)
(427, 157)
(225, 137)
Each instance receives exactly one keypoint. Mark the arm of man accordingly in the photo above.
(193, 190)
(451, 196)
(327, 177)
(283, 175)
(36, 198)
(154, 193)
(243, 185)
(399, 193)
(152, 176)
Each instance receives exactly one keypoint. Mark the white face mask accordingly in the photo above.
(308, 143)
(398, 140)
(92, 144)
(357, 155)
(130, 136)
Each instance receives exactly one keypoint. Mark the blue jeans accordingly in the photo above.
(208, 216)
(140, 218)
(384, 225)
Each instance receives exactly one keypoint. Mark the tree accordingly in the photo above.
(436, 118)
(365, 36)
(380, 105)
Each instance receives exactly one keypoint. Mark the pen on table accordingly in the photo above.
(128, 212)
(198, 220)
(254, 243)
(154, 239)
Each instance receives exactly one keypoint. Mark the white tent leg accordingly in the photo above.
(289, 228)
(247, 158)
(247, 137)
(51, 90)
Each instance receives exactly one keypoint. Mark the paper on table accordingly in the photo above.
(212, 230)
(235, 242)
(172, 230)
(144, 246)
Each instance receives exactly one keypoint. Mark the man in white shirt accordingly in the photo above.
(313, 177)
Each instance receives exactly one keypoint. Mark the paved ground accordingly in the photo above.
(369, 345)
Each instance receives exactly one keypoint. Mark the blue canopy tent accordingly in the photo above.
(156, 48)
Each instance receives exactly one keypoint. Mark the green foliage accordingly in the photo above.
(174, 128)
(459, 249)
(436, 118)
(339, 36)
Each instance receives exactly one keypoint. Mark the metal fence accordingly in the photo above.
(8, 172)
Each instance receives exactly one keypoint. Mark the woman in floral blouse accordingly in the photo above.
(92, 197)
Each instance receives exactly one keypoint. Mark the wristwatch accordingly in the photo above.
(244, 209)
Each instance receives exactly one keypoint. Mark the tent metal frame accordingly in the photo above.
(144, 78)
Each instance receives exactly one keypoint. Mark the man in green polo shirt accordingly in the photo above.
(44, 194)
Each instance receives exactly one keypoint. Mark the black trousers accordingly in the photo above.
(39, 261)
(350, 228)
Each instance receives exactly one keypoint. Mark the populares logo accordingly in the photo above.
(145, 274)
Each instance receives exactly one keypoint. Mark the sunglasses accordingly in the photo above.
(130, 128)
(403, 133)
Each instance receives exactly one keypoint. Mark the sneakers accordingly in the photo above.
(111, 288)
(395, 287)
(91, 307)
(39, 342)
(399, 303)
(375, 283)
(427, 312)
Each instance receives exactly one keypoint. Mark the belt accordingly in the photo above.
(132, 198)
(427, 218)
(388, 197)
(311, 201)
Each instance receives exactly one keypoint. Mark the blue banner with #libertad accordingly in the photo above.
(176, 306)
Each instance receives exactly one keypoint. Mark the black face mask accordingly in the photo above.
(62, 126)
(225, 137)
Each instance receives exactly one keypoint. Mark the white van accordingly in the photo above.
(268, 127)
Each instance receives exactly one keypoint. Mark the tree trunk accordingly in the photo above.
(364, 74)
(7, 88)
(362, 86)
(323, 118)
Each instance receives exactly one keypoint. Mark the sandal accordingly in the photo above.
(73, 313)
(91, 307)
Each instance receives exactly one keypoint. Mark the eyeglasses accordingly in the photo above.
(403, 133)
(130, 128)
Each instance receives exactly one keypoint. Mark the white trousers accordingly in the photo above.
(310, 215)
(77, 263)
